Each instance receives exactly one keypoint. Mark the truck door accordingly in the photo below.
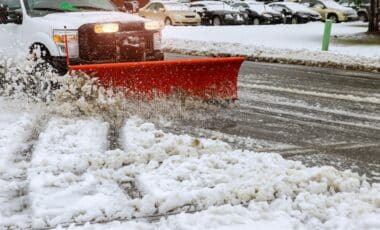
(10, 28)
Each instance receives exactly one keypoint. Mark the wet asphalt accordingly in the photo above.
(320, 116)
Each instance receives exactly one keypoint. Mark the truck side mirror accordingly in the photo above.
(9, 16)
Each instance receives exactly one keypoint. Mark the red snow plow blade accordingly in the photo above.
(207, 79)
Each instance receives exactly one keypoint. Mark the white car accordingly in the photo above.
(95, 30)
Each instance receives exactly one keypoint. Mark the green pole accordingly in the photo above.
(326, 35)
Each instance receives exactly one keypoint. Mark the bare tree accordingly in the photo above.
(373, 25)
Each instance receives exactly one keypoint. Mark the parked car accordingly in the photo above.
(218, 13)
(295, 13)
(172, 13)
(259, 13)
(361, 9)
(332, 10)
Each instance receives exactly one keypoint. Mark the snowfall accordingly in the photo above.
(280, 43)
(60, 169)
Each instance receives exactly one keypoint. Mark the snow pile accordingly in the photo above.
(145, 144)
(297, 44)
(271, 186)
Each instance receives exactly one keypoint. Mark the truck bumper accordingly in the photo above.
(59, 63)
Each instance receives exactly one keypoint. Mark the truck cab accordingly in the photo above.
(95, 30)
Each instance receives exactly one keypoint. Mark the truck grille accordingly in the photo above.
(131, 43)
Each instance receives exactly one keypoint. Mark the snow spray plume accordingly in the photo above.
(77, 94)
(33, 81)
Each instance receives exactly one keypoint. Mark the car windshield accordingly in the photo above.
(219, 6)
(297, 7)
(43, 7)
(258, 7)
(176, 7)
(332, 4)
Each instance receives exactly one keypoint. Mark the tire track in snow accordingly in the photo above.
(356, 87)
(64, 184)
(346, 97)
(18, 134)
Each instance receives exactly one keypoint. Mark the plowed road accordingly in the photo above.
(320, 116)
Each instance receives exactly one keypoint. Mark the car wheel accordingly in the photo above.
(216, 21)
(333, 18)
(256, 21)
(168, 22)
(363, 17)
(294, 20)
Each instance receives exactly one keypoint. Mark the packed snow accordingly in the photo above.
(297, 43)
(160, 180)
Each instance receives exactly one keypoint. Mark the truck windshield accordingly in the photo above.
(43, 7)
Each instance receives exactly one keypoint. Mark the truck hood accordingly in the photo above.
(74, 20)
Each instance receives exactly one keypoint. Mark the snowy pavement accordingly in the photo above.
(72, 177)
(299, 44)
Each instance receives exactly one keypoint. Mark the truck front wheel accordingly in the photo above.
(41, 55)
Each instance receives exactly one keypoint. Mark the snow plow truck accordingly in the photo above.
(121, 50)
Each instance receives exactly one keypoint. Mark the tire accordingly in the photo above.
(333, 18)
(168, 22)
(216, 21)
(363, 17)
(256, 21)
(41, 56)
(294, 20)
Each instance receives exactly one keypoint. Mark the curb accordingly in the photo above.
(292, 61)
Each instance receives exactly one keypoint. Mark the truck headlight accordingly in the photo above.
(72, 41)
(59, 36)
(154, 25)
(106, 28)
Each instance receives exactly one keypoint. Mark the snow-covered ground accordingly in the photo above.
(283, 42)
(159, 180)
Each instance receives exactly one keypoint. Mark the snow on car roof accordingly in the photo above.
(333, 5)
(292, 6)
(209, 3)
(215, 5)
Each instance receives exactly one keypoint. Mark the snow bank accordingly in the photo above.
(293, 44)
